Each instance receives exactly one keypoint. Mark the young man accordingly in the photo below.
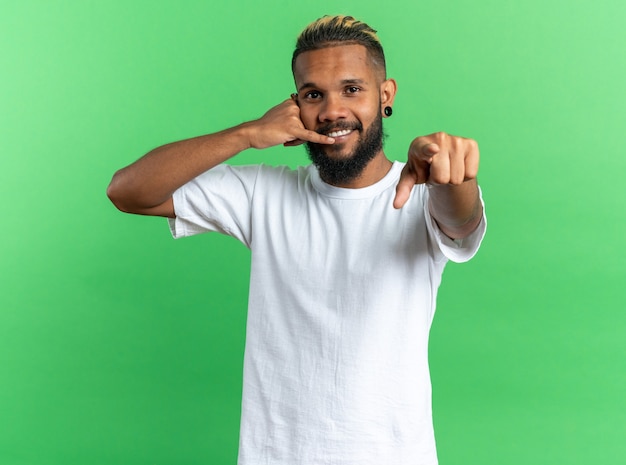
(347, 255)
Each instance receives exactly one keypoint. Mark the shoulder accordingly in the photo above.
(246, 174)
(274, 176)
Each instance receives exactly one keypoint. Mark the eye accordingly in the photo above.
(312, 95)
(352, 89)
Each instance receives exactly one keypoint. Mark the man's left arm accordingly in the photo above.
(449, 165)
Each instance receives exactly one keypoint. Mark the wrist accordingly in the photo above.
(243, 136)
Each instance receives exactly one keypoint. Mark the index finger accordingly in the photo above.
(407, 180)
(312, 136)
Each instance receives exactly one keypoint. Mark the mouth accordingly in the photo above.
(339, 133)
(339, 130)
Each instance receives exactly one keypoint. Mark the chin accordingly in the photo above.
(339, 151)
(341, 163)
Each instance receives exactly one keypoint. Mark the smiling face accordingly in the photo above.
(342, 93)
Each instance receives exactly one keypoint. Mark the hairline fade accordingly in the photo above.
(333, 31)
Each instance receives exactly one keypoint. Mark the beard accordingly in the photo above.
(344, 169)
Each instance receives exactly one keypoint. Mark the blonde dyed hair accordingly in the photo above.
(330, 31)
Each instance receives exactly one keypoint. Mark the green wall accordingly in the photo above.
(119, 345)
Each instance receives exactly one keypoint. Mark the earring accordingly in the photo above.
(388, 111)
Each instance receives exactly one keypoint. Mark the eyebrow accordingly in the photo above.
(343, 82)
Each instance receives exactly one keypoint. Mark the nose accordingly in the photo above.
(332, 109)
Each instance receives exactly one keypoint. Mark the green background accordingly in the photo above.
(119, 345)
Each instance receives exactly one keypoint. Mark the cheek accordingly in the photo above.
(370, 112)
(369, 118)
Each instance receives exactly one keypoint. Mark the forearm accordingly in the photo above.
(152, 179)
(146, 186)
(457, 209)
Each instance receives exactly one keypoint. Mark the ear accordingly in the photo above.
(388, 89)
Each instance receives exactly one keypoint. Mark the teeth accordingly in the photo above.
(339, 133)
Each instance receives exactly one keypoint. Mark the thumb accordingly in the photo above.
(430, 149)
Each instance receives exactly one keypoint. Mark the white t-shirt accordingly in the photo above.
(342, 296)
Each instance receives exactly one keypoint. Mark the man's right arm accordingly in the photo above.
(146, 186)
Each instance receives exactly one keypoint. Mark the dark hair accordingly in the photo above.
(330, 31)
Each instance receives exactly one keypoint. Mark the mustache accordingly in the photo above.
(338, 126)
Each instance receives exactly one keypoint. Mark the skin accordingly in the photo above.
(335, 85)
(339, 85)
(449, 165)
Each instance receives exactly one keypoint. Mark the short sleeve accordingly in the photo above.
(218, 200)
(456, 250)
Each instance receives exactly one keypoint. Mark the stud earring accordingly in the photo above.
(388, 111)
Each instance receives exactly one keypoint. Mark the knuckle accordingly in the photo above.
(439, 178)
(471, 173)
(456, 180)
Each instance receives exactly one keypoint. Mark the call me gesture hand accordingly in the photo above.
(450, 165)
(146, 186)
(282, 125)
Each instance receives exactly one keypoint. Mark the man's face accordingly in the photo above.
(339, 94)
